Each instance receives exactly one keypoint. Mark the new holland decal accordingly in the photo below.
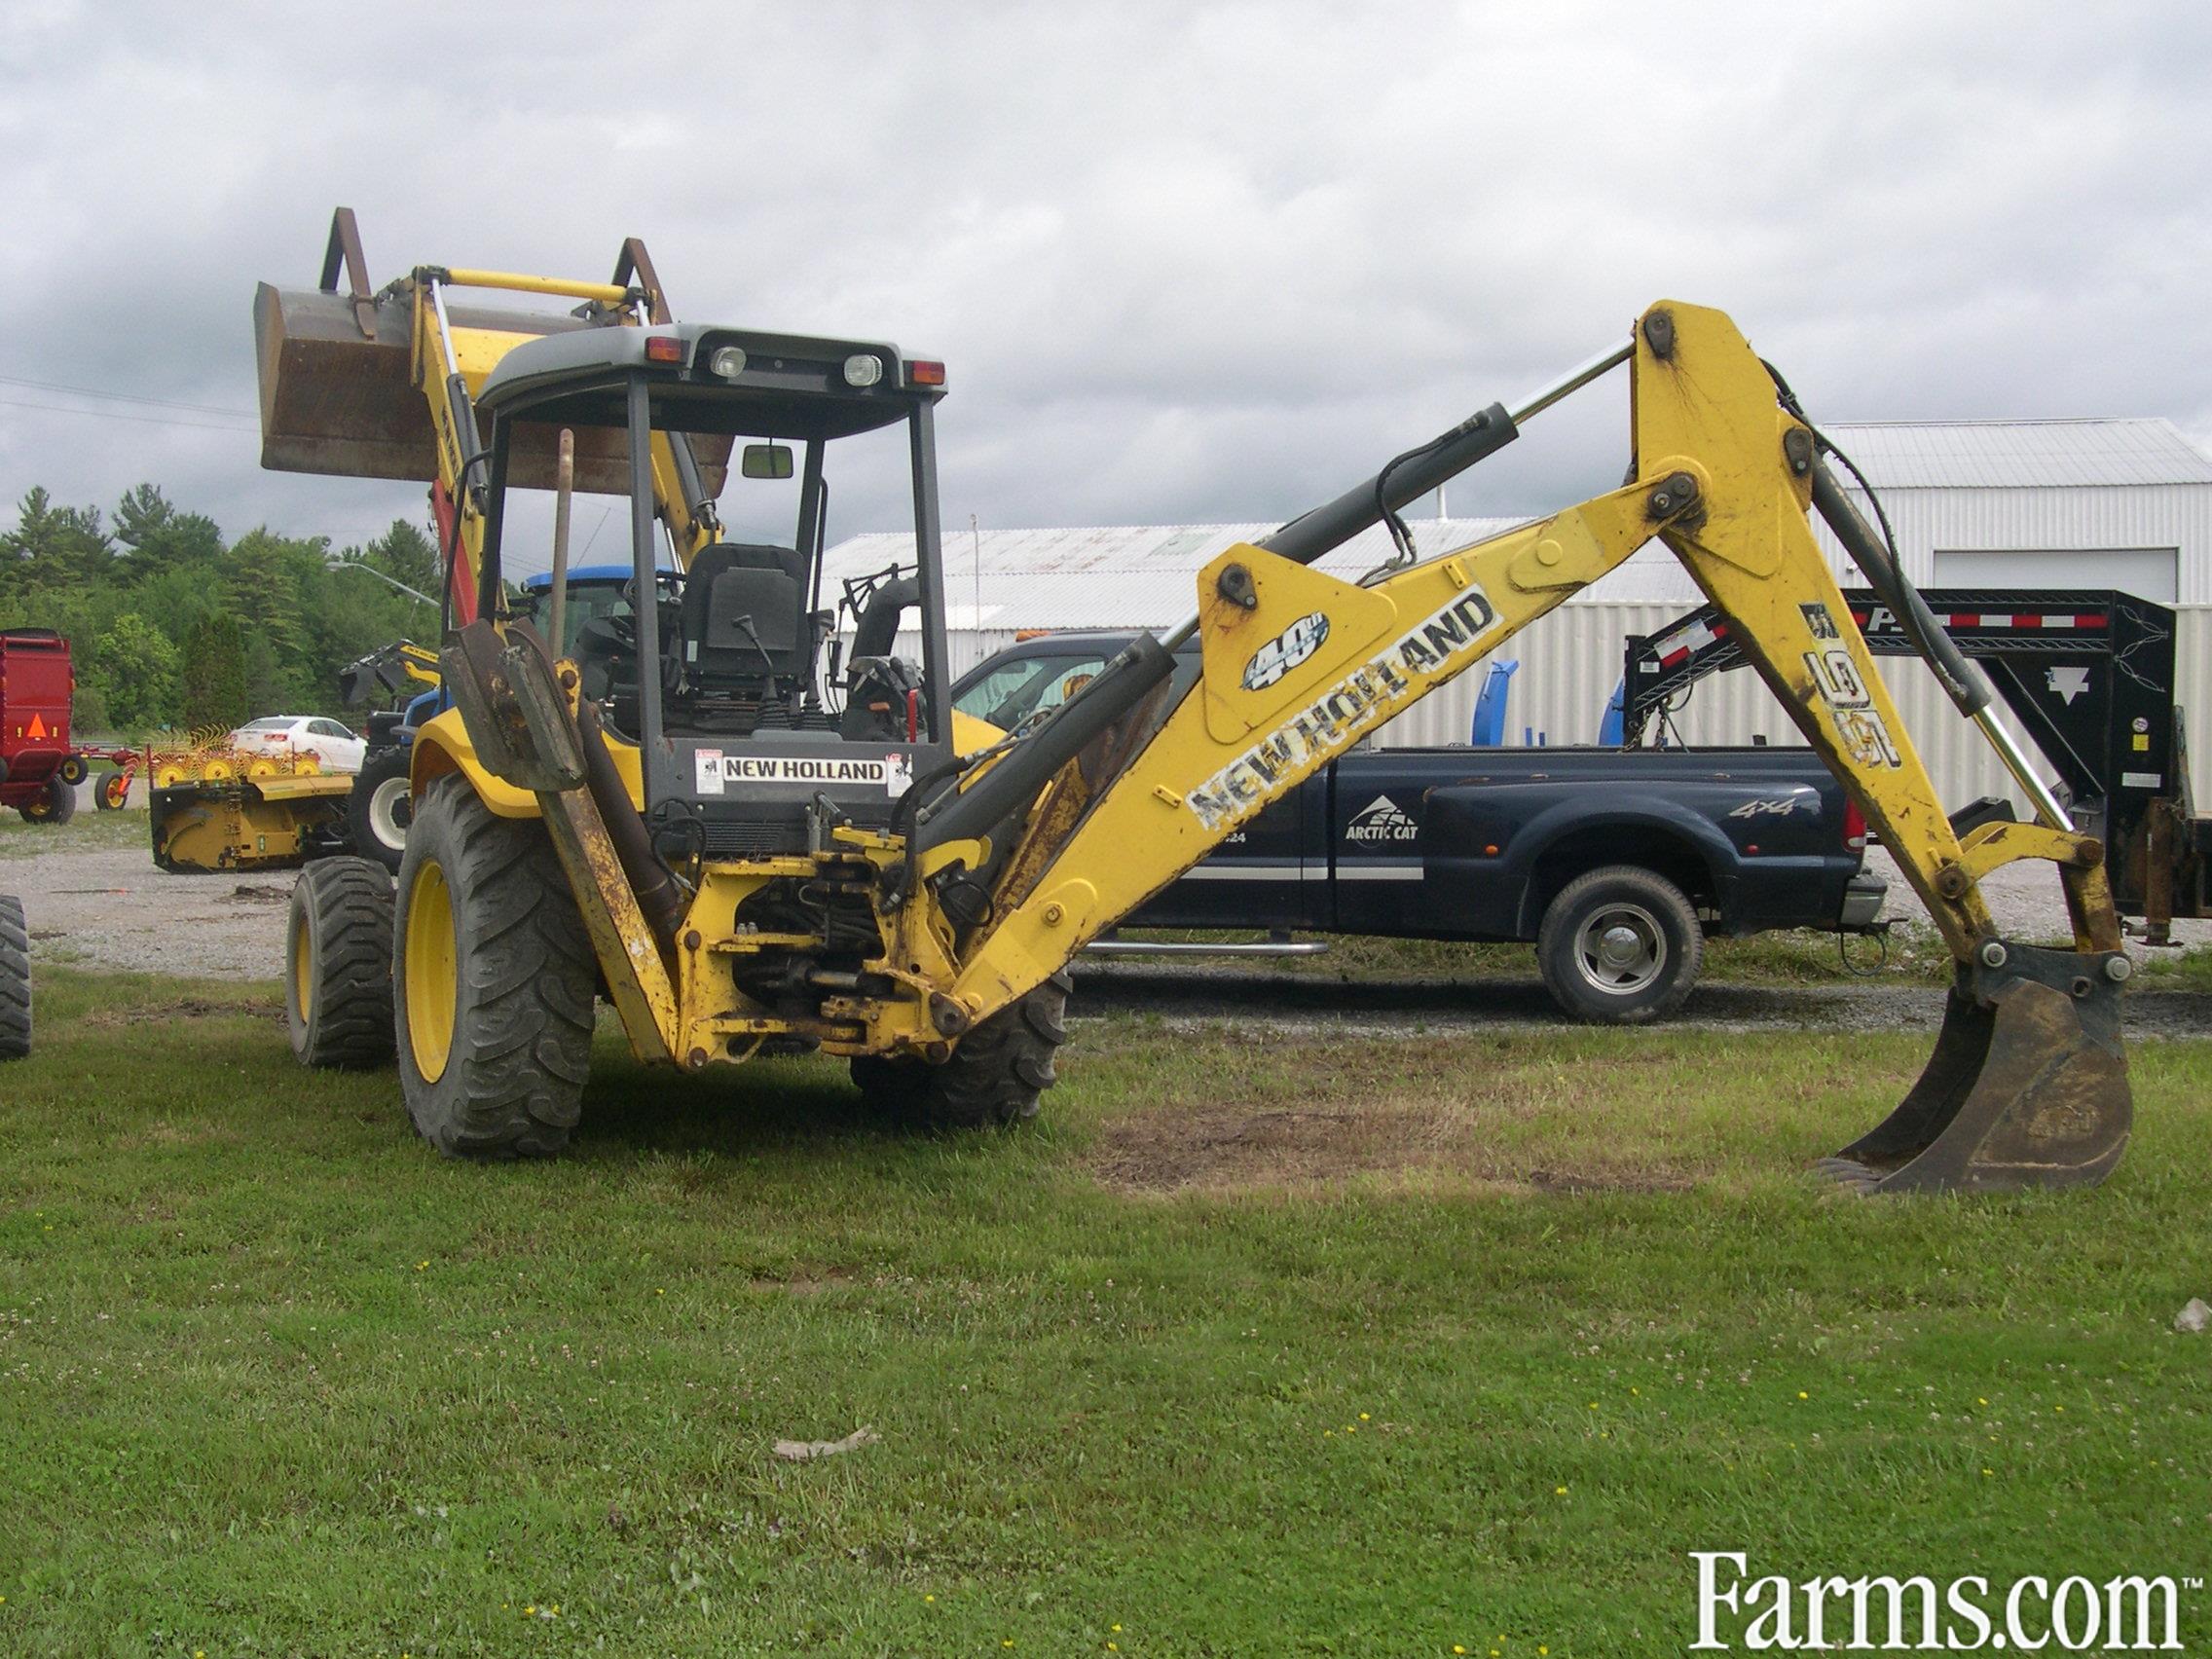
(1449, 638)
(715, 771)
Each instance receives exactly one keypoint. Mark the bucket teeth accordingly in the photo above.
(2027, 1087)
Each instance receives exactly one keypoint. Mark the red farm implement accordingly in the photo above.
(40, 765)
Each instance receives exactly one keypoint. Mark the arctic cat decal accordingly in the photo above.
(1285, 652)
(1451, 639)
(1382, 820)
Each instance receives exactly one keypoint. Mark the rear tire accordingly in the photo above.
(492, 979)
(997, 1074)
(380, 808)
(15, 982)
(338, 966)
(56, 805)
(1620, 946)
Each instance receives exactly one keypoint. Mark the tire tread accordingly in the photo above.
(996, 1075)
(15, 980)
(348, 903)
(513, 1086)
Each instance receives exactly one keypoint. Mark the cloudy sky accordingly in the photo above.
(1194, 263)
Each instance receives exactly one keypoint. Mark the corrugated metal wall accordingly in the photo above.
(1571, 660)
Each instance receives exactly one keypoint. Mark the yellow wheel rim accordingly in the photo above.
(261, 769)
(303, 968)
(306, 767)
(215, 771)
(434, 980)
(170, 776)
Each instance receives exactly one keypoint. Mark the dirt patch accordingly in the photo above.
(1253, 1146)
(243, 894)
(812, 1282)
(184, 1008)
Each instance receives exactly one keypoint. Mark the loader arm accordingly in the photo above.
(450, 365)
(1298, 665)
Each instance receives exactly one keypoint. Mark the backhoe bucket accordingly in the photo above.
(2027, 1087)
(338, 395)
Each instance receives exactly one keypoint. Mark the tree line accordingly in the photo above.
(171, 627)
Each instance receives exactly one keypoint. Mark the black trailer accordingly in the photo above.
(2089, 674)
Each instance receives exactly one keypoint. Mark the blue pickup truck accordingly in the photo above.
(1617, 863)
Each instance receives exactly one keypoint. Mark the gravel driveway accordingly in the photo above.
(108, 907)
(112, 908)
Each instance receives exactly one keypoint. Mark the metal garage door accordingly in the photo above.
(2148, 572)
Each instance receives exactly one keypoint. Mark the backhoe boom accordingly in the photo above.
(1299, 665)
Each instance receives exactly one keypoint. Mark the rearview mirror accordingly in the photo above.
(766, 461)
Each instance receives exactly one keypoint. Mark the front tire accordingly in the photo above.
(1620, 946)
(380, 808)
(338, 966)
(493, 981)
(15, 982)
(113, 793)
(996, 1077)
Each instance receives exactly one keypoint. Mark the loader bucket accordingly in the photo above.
(339, 399)
(2027, 1087)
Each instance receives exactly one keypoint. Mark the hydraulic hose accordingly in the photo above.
(659, 896)
(1965, 687)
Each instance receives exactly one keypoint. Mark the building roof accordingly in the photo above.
(1997, 455)
(1125, 575)
(1142, 576)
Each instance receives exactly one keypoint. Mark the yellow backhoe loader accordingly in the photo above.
(745, 842)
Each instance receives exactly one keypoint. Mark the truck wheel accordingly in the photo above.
(114, 792)
(15, 982)
(338, 965)
(995, 1076)
(380, 807)
(1620, 946)
(56, 804)
(493, 981)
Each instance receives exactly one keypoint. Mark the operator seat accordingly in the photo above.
(733, 584)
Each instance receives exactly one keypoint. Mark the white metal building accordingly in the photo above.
(2087, 503)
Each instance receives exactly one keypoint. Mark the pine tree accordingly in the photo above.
(214, 673)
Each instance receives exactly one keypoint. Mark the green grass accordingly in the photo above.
(1255, 1345)
(2188, 970)
(1914, 956)
(90, 831)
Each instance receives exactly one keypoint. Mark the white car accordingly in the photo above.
(334, 747)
